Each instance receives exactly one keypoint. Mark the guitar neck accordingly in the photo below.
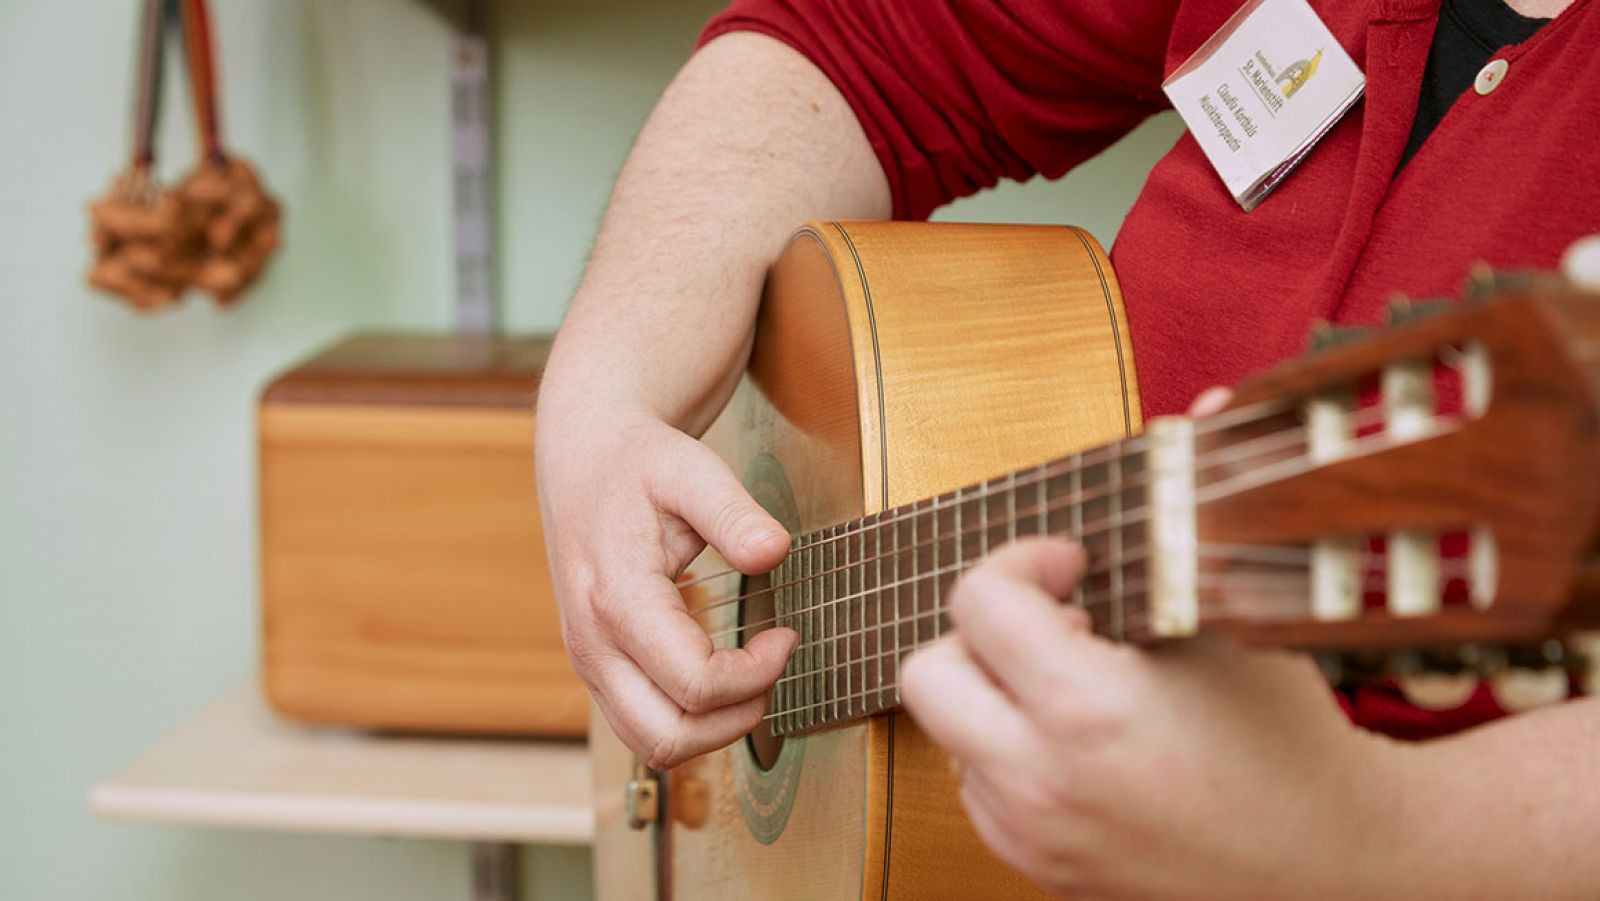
(865, 593)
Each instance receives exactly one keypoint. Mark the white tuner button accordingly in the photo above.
(1520, 690)
(1438, 691)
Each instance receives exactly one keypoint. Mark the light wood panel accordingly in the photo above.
(999, 347)
(235, 764)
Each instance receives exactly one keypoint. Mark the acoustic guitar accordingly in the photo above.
(920, 394)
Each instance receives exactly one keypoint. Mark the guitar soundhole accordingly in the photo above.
(756, 616)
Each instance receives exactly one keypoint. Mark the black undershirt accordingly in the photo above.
(1468, 34)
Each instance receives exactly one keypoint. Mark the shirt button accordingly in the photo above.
(1490, 76)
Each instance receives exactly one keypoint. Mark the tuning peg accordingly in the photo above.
(1327, 336)
(1485, 281)
(1438, 691)
(1520, 690)
(1403, 310)
(1581, 263)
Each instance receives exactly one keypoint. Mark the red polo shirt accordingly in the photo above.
(957, 94)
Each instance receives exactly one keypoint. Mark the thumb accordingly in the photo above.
(703, 492)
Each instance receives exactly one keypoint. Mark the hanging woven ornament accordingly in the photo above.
(147, 242)
(238, 220)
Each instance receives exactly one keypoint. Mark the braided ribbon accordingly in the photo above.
(217, 228)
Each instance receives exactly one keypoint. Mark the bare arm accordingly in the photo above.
(1507, 810)
(749, 141)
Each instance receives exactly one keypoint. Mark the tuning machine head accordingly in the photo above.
(1485, 281)
(1404, 310)
(1326, 336)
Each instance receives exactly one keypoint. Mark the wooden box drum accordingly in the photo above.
(403, 576)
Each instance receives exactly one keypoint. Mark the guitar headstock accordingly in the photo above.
(1434, 483)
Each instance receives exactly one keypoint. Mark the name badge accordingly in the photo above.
(1262, 91)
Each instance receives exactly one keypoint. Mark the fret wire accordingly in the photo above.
(895, 612)
(852, 582)
(821, 688)
(780, 698)
(831, 636)
(808, 684)
(1011, 506)
(881, 603)
(936, 582)
(861, 676)
(820, 562)
(981, 514)
(775, 699)
(1075, 491)
(1114, 477)
(807, 601)
(1039, 502)
(983, 525)
(802, 685)
(791, 696)
(960, 554)
(840, 672)
(915, 579)
(830, 588)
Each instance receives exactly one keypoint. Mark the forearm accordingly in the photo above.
(749, 141)
(1507, 810)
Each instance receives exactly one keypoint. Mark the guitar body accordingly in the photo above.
(891, 362)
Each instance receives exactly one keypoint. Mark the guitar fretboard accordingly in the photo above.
(864, 594)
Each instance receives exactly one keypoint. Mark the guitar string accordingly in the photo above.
(912, 580)
(1105, 525)
(1267, 555)
(956, 567)
(1372, 575)
(1241, 553)
(1248, 415)
(1060, 503)
(1243, 451)
(1138, 622)
(1222, 488)
(1303, 463)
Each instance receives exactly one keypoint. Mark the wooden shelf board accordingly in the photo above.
(236, 764)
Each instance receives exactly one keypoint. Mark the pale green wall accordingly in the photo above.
(127, 554)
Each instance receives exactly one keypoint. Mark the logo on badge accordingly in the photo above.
(1298, 73)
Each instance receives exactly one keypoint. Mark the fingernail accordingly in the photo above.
(759, 536)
